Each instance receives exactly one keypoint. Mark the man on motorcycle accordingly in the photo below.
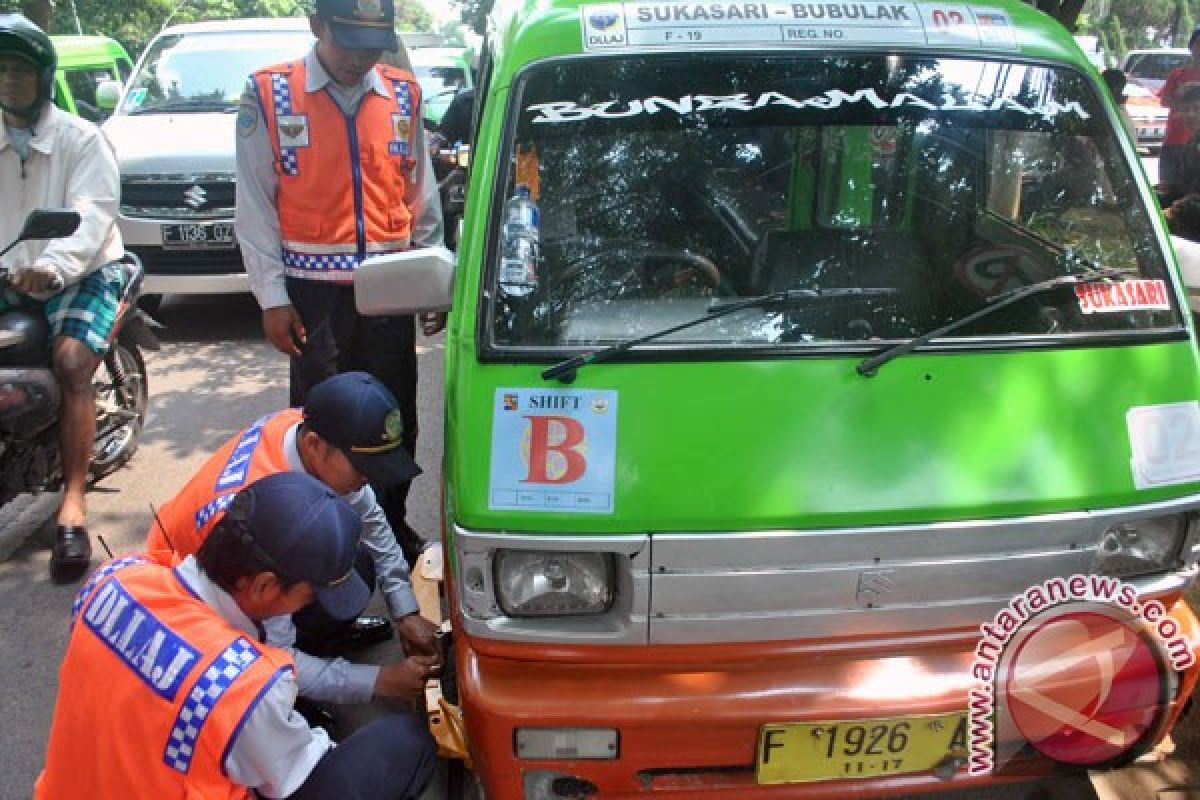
(49, 158)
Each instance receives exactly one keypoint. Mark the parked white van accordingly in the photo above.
(173, 131)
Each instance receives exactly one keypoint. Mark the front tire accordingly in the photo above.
(150, 303)
(122, 396)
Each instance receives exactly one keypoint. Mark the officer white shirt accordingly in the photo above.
(336, 680)
(257, 220)
(276, 749)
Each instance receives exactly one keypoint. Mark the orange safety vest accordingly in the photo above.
(188, 517)
(341, 178)
(153, 690)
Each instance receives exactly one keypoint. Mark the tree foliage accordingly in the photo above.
(474, 13)
(134, 22)
(1065, 11)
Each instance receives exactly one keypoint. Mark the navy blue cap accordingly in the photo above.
(360, 24)
(307, 533)
(357, 414)
(1195, 35)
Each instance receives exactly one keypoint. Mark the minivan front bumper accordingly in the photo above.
(687, 718)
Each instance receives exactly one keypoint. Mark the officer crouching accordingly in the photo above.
(167, 689)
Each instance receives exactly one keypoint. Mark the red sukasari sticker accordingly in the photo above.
(1099, 298)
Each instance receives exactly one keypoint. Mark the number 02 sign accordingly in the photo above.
(1165, 441)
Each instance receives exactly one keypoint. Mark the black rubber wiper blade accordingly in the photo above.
(564, 371)
(187, 106)
(869, 366)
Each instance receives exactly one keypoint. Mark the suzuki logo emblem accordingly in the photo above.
(872, 585)
(195, 197)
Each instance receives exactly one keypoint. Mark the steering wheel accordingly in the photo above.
(650, 270)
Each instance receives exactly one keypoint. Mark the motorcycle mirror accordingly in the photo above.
(46, 223)
(49, 223)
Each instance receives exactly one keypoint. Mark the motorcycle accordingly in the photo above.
(30, 397)
(450, 170)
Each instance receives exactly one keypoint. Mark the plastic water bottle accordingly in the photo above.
(519, 254)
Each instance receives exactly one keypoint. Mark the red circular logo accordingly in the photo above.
(1084, 687)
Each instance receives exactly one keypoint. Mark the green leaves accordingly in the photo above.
(134, 22)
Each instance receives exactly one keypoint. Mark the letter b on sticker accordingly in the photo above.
(556, 450)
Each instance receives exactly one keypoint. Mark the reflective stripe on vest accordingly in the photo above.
(188, 517)
(228, 667)
(281, 98)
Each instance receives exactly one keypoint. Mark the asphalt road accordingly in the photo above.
(213, 375)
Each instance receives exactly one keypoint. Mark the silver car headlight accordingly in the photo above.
(531, 583)
(1141, 546)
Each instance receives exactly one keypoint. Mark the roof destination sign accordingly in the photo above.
(623, 26)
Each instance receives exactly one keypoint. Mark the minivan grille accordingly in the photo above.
(178, 196)
(159, 261)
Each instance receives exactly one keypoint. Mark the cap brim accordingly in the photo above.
(363, 37)
(386, 469)
(347, 599)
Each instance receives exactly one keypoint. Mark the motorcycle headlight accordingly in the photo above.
(543, 584)
(1141, 546)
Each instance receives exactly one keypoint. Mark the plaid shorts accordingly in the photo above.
(85, 311)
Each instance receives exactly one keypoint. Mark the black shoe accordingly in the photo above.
(411, 543)
(71, 554)
(363, 632)
(316, 716)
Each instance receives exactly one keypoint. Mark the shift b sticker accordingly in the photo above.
(553, 450)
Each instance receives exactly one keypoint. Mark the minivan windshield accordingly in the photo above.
(657, 188)
(197, 72)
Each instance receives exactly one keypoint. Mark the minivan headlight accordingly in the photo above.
(543, 584)
(1140, 546)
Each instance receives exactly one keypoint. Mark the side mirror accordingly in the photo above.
(107, 95)
(49, 223)
(405, 283)
(46, 223)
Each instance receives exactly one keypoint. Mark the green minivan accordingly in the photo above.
(84, 64)
(821, 409)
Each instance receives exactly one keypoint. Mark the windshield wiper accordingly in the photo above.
(186, 106)
(565, 371)
(871, 365)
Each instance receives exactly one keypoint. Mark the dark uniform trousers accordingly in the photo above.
(342, 340)
(390, 759)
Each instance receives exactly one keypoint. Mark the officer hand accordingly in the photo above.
(418, 635)
(405, 680)
(284, 329)
(432, 322)
(35, 279)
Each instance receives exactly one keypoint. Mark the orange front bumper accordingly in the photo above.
(688, 717)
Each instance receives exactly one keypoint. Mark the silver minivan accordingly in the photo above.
(173, 131)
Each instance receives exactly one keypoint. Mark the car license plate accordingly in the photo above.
(858, 748)
(188, 236)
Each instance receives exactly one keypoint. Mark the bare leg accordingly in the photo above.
(74, 365)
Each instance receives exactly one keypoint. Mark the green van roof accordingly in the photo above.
(84, 49)
(528, 30)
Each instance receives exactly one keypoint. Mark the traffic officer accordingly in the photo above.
(332, 167)
(166, 689)
(349, 431)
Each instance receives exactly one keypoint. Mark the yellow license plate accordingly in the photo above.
(858, 748)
